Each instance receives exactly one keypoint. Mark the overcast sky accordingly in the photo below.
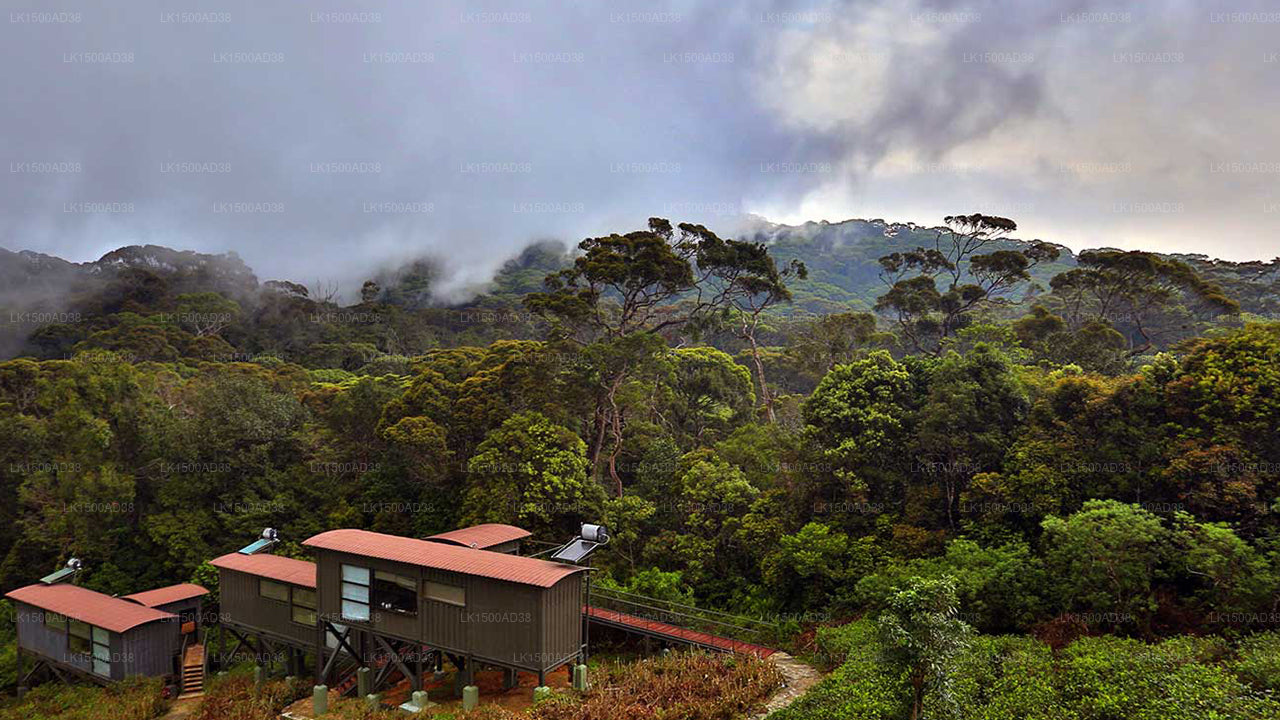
(323, 139)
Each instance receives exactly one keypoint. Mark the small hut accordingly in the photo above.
(76, 632)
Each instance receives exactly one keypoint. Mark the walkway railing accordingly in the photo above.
(739, 633)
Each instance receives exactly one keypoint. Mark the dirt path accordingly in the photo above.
(181, 709)
(799, 677)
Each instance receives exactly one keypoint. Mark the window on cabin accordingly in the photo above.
(79, 637)
(396, 593)
(273, 590)
(451, 594)
(304, 606)
(355, 593)
(101, 652)
(54, 621)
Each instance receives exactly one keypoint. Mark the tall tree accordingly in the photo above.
(624, 293)
(1147, 297)
(751, 283)
(926, 314)
(975, 406)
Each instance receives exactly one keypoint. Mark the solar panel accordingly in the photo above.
(575, 551)
(257, 546)
(57, 577)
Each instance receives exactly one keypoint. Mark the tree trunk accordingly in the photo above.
(598, 445)
(764, 387)
(615, 425)
(917, 696)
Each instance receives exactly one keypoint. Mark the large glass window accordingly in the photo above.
(451, 594)
(355, 593)
(101, 652)
(304, 606)
(79, 637)
(273, 590)
(396, 593)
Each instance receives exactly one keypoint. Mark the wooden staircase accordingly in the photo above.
(192, 671)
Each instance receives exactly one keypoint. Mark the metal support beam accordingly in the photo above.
(344, 645)
(395, 661)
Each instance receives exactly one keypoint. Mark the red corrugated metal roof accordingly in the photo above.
(441, 556)
(113, 614)
(482, 536)
(272, 567)
(166, 595)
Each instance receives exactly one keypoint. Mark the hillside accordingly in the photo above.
(53, 305)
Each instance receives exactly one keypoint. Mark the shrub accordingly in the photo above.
(1020, 678)
(1005, 677)
(135, 699)
(1257, 661)
(236, 697)
(861, 688)
(680, 686)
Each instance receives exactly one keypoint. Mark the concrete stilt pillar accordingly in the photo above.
(580, 678)
(364, 681)
(259, 674)
(470, 698)
(319, 700)
(540, 693)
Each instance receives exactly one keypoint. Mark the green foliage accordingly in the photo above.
(135, 699)
(1010, 678)
(1106, 559)
(860, 688)
(236, 697)
(1000, 588)
(1257, 661)
(920, 635)
(531, 473)
(859, 413)
(1024, 454)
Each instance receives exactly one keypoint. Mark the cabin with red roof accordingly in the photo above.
(384, 593)
(186, 600)
(77, 632)
(268, 597)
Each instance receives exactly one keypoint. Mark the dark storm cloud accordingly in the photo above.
(325, 140)
(320, 139)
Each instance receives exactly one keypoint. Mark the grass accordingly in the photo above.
(138, 699)
(236, 697)
(680, 686)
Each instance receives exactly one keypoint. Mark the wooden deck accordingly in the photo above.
(671, 632)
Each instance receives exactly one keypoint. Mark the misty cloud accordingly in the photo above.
(330, 140)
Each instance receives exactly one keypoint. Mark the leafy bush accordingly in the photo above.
(1000, 588)
(860, 689)
(1257, 661)
(136, 699)
(1004, 677)
(236, 697)
(1096, 678)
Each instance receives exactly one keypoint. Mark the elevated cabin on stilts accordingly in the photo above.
(77, 633)
(268, 603)
(400, 599)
